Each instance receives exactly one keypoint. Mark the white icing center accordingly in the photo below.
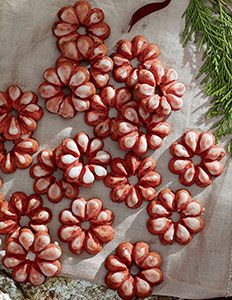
(127, 288)
(179, 164)
(39, 172)
(191, 140)
(142, 286)
(32, 108)
(206, 141)
(13, 129)
(100, 171)
(75, 171)
(169, 198)
(27, 145)
(181, 151)
(71, 145)
(67, 216)
(183, 198)
(126, 253)
(83, 141)
(26, 98)
(48, 269)
(21, 158)
(159, 223)
(5, 224)
(147, 89)
(102, 216)
(78, 208)
(193, 208)
(214, 167)
(151, 261)
(83, 91)
(192, 223)
(117, 277)
(15, 248)
(21, 274)
(67, 232)
(50, 253)
(189, 174)
(77, 243)
(68, 159)
(27, 121)
(203, 176)
(130, 141)
(156, 140)
(152, 275)
(182, 233)
(78, 78)
(169, 234)
(88, 176)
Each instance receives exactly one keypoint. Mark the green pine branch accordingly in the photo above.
(209, 25)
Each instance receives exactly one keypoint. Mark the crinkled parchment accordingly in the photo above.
(27, 48)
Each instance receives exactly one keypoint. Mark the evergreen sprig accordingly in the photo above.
(209, 24)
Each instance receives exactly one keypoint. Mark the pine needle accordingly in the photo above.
(209, 24)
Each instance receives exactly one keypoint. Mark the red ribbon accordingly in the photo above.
(146, 10)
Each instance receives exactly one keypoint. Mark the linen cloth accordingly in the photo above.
(27, 47)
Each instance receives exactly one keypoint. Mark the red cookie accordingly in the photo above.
(159, 90)
(67, 89)
(133, 194)
(73, 232)
(80, 15)
(189, 214)
(202, 146)
(32, 257)
(139, 130)
(129, 285)
(83, 159)
(93, 51)
(20, 157)
(46, 182)
(28, 113)
(19, 206)
(126, 51)
(99, 114)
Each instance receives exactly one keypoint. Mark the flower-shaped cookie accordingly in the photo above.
(32, 257)
(20, 206)
(91, 50)
(74, 232)
(83, 159)
(121, 278)
(101, 106)
(140, 130)
(80, 15)
(19, 157)
(19, 112)
(126, 51)
(159, 90)
(119, 180)
(46, 182)
(201, 146)
(162, 223)
(67, 89)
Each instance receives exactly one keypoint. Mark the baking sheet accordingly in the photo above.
(27, 47)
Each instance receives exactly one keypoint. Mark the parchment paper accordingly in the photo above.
(27, 47)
